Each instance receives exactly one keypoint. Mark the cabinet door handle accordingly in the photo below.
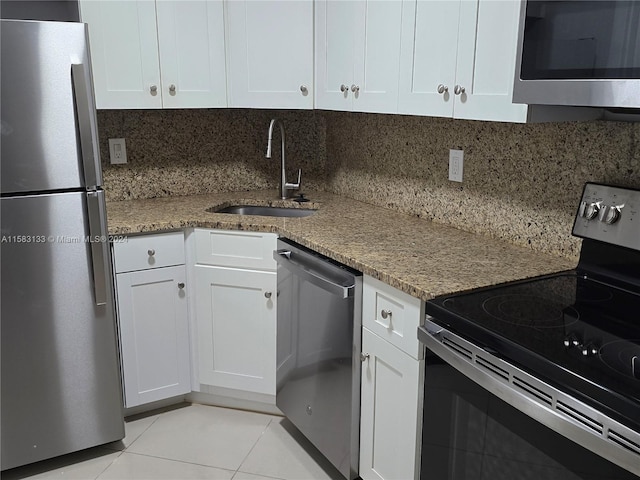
(442, 88)
(344, 88)
(364, 356)
(151, 252)
(181, 285)
(355, 88)
(303, 89)
(458, 90)
(267, 294)
(386, 314)
(153, 89)
(172, 89)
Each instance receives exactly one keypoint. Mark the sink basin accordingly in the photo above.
(265, 211)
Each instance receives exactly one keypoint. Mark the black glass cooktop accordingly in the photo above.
(575, 332)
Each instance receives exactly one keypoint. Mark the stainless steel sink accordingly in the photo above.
(265, 211)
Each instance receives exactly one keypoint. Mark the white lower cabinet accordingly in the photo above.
(392, 383)
(389, 417)
(153, 318)
(235, 312)
(235, 302)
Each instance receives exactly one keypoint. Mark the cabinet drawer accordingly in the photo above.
(149, 251)
(230, 248)
(393, 315)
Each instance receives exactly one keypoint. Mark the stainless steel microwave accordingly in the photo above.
(579, 52)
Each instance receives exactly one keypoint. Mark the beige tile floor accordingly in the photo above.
(194, 442)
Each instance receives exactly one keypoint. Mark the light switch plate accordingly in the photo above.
(456, 158)
(117, 151)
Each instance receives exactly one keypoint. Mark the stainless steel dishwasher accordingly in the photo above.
(318, 358)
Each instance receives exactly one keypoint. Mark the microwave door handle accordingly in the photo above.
(99, 245)
(87, 126)
(283, 257)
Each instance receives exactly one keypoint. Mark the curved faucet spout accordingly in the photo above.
(284, 186)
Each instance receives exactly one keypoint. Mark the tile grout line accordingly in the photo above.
(142, 433)
(119, 452)
(251, 450)
(184, 462)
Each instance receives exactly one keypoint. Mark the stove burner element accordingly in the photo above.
(590, 293)
(530, 311)
(623, 356)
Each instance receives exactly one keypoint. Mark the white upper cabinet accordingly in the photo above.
(428, 57)
(270, 53)
(124, 53)
(192, 53)
(458, 59)
(165, 54)
(358, 55)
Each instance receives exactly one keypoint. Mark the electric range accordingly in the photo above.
(567, 345)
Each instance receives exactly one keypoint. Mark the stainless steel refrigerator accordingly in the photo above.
(60, 371)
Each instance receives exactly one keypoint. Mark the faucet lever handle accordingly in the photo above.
(292, 186)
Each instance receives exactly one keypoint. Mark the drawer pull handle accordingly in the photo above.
(181, 285)
(386, 314)
(267, 294)
(151, 252)
(364, 356)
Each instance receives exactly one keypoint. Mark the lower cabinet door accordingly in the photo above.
(154, 334)
(236, 322)
(390, 422)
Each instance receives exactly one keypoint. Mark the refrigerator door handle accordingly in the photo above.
(87, 125)
(99, 243)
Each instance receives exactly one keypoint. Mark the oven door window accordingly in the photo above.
(581, 40)
(470, 434)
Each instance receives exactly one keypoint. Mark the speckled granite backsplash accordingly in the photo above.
(521, 182)
(182, 152)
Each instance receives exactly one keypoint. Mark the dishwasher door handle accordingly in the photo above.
(306, 272)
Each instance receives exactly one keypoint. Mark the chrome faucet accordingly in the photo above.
(284, 186)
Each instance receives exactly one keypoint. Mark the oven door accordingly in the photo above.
(476, 430)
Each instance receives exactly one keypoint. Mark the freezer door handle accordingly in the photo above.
(99, 246)
(87, 125)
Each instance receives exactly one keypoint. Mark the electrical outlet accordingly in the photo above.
(455, 165)
(117, 151)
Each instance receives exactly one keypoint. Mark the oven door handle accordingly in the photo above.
(306, 272)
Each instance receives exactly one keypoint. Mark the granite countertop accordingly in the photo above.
(419, 257)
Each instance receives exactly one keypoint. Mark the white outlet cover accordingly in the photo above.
(456, 161)
(117, 151)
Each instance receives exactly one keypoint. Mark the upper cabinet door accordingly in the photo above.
(357, 55)
(192, 54)
(270, 53)
(334, 53)
(458, 59)
(378, 29)
(124, 52)
(428, 57)
(487, 42)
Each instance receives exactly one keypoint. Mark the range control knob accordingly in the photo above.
(583, 209)
(612, 214)
(572, 340)
(592, 210)
(589, 350)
